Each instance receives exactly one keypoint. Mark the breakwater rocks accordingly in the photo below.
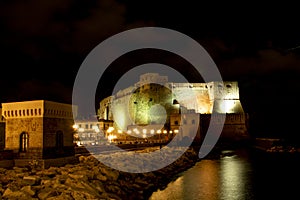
(88, 179)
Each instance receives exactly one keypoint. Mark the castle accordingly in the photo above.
(152, 108)
(139, 105)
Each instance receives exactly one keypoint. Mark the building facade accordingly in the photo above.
(40, 130)
(155, 100)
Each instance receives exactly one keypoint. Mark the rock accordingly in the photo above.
(74, 184)
(100, 177)
(20, 169)
(27, 189)
(31, 180)
(50, 174)
(98, 185)
(17, 195)
(110, 174)
(78, 176)
(61, 197)
(7, 192)
(46, 193)
(46, 182)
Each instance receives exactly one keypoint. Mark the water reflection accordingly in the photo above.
(225, 178)
(235, 178)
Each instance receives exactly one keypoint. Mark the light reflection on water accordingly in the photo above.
(227, 178)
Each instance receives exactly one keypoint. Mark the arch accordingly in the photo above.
(24, 141)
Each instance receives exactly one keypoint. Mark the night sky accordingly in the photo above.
(43, 44)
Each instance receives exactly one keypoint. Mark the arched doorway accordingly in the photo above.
(24, 141)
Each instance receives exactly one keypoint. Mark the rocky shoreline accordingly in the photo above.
(89, 179)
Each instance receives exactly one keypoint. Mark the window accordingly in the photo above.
(24, 140)
(176, 122)
(193, 121)
(59, 140)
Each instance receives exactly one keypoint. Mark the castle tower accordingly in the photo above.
(40, 130)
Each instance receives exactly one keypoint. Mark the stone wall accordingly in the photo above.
(2, 135)
(31, 126)
(39, 129)
(133, 105)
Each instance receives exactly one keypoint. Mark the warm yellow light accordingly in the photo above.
(94, 127)
(110, 129)
(75, 126)
(152, 131)
(176, 131)
(159, 131)
(81, 129)
(144, 131)
(170, 131)
(164, 131)
(119, 131)
(129, 132)
(111, 137)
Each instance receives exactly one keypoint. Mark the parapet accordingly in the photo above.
(37, 108)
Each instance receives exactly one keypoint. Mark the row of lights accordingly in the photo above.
(110, 136)
(135, 130)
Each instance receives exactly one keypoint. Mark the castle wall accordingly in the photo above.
(193, 96)
(234, 128)
(202, 98)
(104, 111)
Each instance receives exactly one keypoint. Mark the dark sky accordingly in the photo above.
(43, 44)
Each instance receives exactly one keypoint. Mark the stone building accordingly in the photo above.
(155, 100)
(39, 130)
(91, 131)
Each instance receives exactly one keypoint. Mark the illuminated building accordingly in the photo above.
(91, 131)
(142, 103)
(39, 130)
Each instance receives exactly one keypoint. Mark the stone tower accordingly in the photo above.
(40, 130)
